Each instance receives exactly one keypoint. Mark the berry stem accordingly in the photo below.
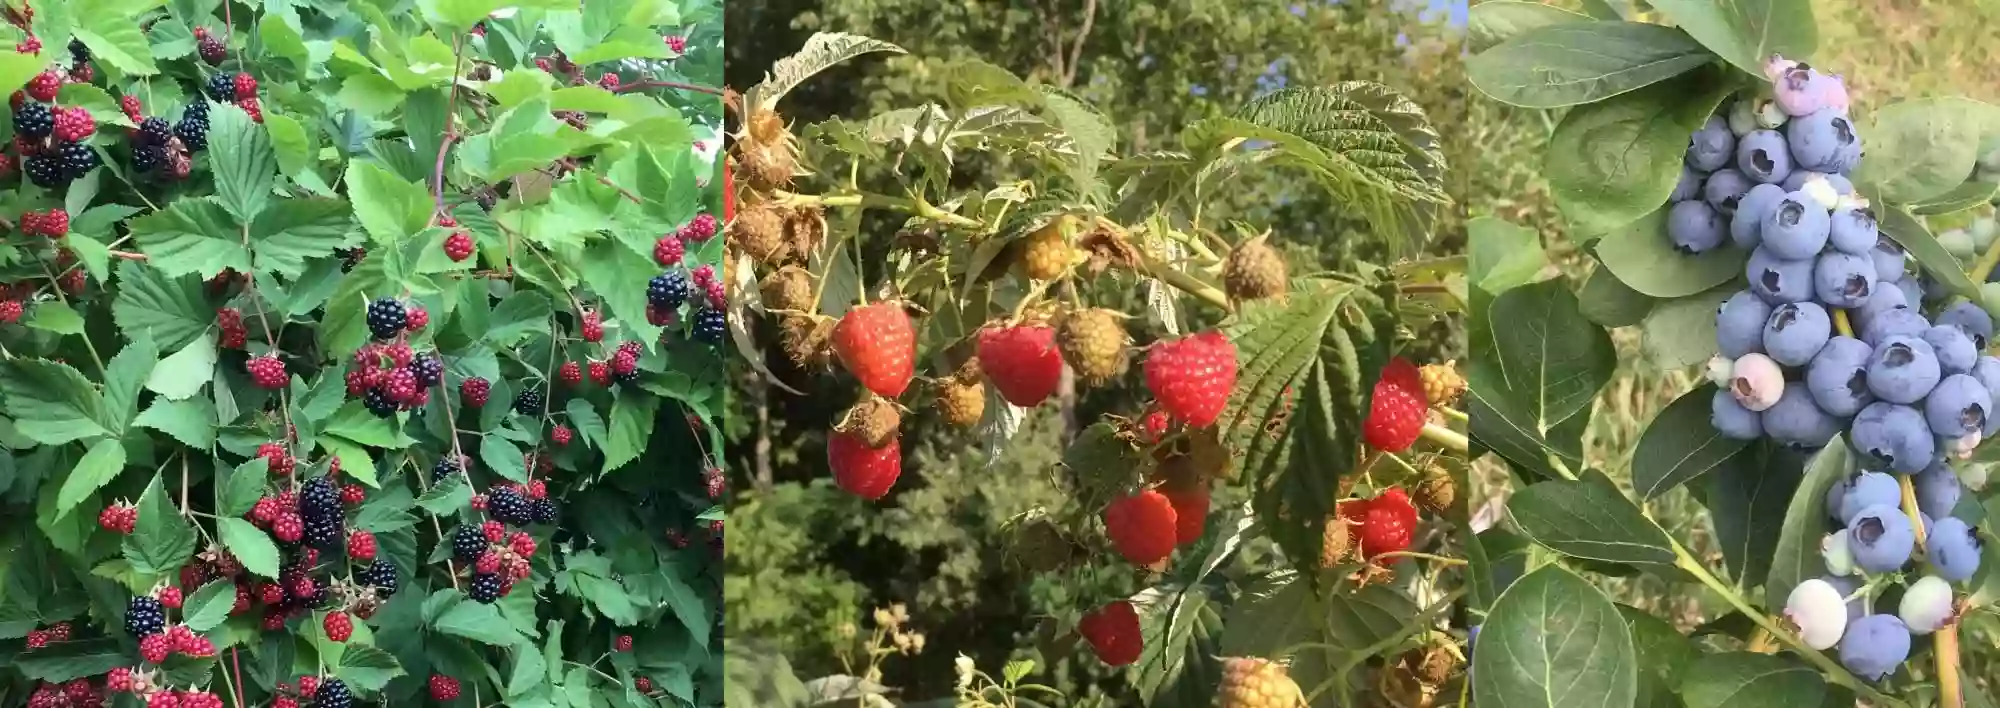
(1984, 266)
(1446, 560)
(1950, 695)
(450, 119)
(64, 299)
(1834, 672)
(1446, 437)
(643, 85)
(1840, 324)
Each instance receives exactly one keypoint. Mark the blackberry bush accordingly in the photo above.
(276, 345)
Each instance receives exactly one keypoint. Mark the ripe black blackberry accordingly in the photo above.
(34, 121)
(625, 377)
(378, 403)
(333, 693)
(318, 500)
(221, 87)
(45, 171)
(485, 588)
(381, 574)
(77, 51)
(445, 467)
(77, 159)
(147, 158)
(710, 325)
(545, 511)
(387, 317)
(324, 533)
(428, 369)
(197, 109)
(667, 290)
(145, 617)
(193, 130)
(507, 505)
(529, 402)
(467, 543)
(154, 131)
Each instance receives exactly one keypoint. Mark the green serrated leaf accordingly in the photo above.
(56, 317)
(190, 421)
(163, 540)
(631, 425)
(296, 230)
(171, 308)
(209, 605)
(194, 235)
(249, 544)
(447, 497)
(244, 487)
(123, 376)
(113, 38)
(1582, 62)
(478, 622)
(245, 167)
(97, 468)
(51, 403)
(182, 374)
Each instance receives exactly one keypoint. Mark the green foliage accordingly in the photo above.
(376, 134)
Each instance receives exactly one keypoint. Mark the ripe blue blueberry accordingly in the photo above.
(1732, 419)
(1894, 323)
(1778, 280)
(1903, 370)
(1987, 370)
(1710, 148)
(1881, 538)
(1795, 332)
(1972, 319)
(1893, 437)
(1889, 257)
(1879, 299)
(1865, 490)
(1817, 139)
(1953, 549)
(1937, 489)
(1955, 351)
(1694, 226)
(1689, 187)
(1796, 228)
(1927, 605)
(1724, 188)
(1958, 406)
(1852, 229)
(1874, 646)
(1746, 226)
(1797, 422)
(1763, 156)
(1838, 377)
(1844, 280)
(1818, 611)
(1739, 325)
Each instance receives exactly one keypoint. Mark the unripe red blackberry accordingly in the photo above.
(592, 326)
(267, 372)
(560, 434)
(458, 246)
(475, 390)
(669, 250)
(570, 373)
(418, 317)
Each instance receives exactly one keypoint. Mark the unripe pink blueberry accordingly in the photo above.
(1927, 605)
(1819, 613)
(1757, 382)
(1961, 447)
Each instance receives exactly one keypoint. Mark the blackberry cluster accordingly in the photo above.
(333, 693)
(710, 325)
(193, 128)
(145, 617)
(545, 511)
(485, 588)
(509, 506)
(529, 402)
(221, 88)
(76, 159)
(668, 290)
(324, 533)
(445, 467)
(154, 131)
(43, 170)
(467, 543)
(147, 158)
(428, 368)
(386, 317)
(378, 403)
(34, 121)
(381, 575)
(318, 499)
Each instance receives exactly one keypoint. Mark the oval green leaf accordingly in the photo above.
(1918, 150)
(1554, 641)
(1681, 332)
(1608, 301)
(1797, 557)
(1910, 233)
(1751, 680)
(1582, 62)
(1494, 22)
(1680, 444)
(1747, 32)
(1644, 259)
(1612, 162)
(1748, 497)
(1589, 520)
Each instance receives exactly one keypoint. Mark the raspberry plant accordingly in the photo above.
(1751, 220)
(1281, 414)
(272, 276)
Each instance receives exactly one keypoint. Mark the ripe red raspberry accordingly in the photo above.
(443, 688)
(156, 648)
(624, 642)
(73, 124)
(267, 372)
(353, 494)
(570, 373)
(339, 626)
(1192, 376)
(458, 246)
(608, 82)
(37, 639)
(417, 318)
(864, 471)
(645, 685)
(1022, 362)
(1397, 410)
(10, 311)
(119, 680)
(281, 462)
(1142, 527)
(289, 527)
(308, 686)
(561, 434)
(593, 327)
(44, 86)
(669, 250)
(246, 86)
(494, 531)
(169, 596)
(600, 373)
(1113, 633)
(1190, 513)
(130, 105)
(361, 545)
(522, 544)
(879, 345)
(475, 390)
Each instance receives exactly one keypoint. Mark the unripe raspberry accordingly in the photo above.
(669, 250)
(522, 544)
(271, 593)
(571, 373)
(608, 82)
(600, 373)
(443, 688)
(645, 685)
(37, 639)
(156, 648)
(488, 563)
(494, 531)
(458, 246)
(446, 221)
(1818, 612)
(537, 489)
(308, 686)
(279, 461)
(479, 502)
(352, 494)
(289, 527)
(624, 642)
(119, 680)
(560, 434)
(702, 228)
(676, 43)
(1757, 382)
(339, 627)
(10, 311)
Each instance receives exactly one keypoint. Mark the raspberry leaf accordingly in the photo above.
(52, 403)
(97, 468)
(194, 235)
(240, 154)
(192, 422)
(170, 308)
(367, 667)
(631, 424)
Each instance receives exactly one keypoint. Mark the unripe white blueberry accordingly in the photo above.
(1835, 551)
(1743, 116)
(1769, 115)
(1820, 191)
(1850, 201)
(1982, 230)
(1819, 613)
(1989, 297)
(1973, 475)
(1757, 382)
(1926, 605)
(1720, 369)
(1957, 242)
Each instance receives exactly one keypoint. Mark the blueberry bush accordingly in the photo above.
(360, 353)
(1772, 239)
(1282, 421)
